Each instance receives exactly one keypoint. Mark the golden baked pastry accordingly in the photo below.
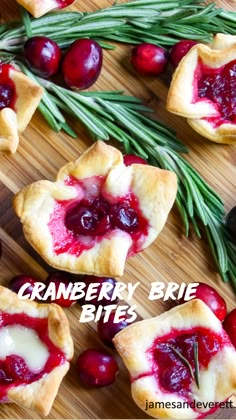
(203, 89)
(39, 8)
(97, 213)
(19, 98)
(178, 359)
(35, 351)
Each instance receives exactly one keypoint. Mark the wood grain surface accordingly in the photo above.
(172, 257)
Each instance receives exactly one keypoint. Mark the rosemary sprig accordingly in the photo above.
(113, 115)
(157, 21)
(194, 373)
(196, 364)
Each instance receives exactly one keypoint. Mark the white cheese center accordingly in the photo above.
(23, 342)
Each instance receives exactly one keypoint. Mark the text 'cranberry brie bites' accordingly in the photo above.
(203, 89)
(97, 213)
(19, 98)
(39, 8)
(35, 350)
(181, 356)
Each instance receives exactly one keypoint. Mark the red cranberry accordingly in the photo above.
(212, 299)
(7, 92)
(124, 217)
(18, 281)
(108, 330)
(82, 63)
(96, 368)
(17, 370)
(81, 220)
(130, 159)
(58, 278)
(230, 222)
(89, 218)
(179, 50)
(100, 280)
(149, 59)
(229, 325)
(43, 55)
(64, 3)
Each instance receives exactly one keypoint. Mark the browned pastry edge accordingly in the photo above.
(180, 100)
(155, 189)
(40, 395)
(38, 8)
(134, 341)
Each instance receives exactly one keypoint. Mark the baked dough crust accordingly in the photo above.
(14, 122)
(40, 395)
(134, 341)
(38, 8)
(180, 96)
(155, 189)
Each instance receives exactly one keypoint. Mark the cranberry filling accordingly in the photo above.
(219, 86)
(7, 88)
(169, 353)
(13, 370)
(78, 224)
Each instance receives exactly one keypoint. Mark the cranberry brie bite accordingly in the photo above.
(39, 8)
(182, 363)
(97, 213)
(203, 89)
(35, 350)
(19, 98)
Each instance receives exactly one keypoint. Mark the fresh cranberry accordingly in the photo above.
(108, 330)
(101, 281)
(124, 217)
(230, 222)
(229, 325)
(43, 55)
(179, 50)
(149, 59)
(212, 299)
(96, 368)
(131, 159)
(82, 63)
(64, 3)
(18, 281)
(59, 278)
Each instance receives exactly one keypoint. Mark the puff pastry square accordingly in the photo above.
(161, 380)
(203, 89)
(23, 97)
(36, 347)
(39, 8)
(97, 213)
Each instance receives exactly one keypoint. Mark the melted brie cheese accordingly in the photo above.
(23, 342)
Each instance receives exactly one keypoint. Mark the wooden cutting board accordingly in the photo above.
(172, 257)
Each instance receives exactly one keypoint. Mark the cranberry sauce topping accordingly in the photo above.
(219, 86)
(7, 88)
(14, 370)
(168, 353)
(78, 224)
